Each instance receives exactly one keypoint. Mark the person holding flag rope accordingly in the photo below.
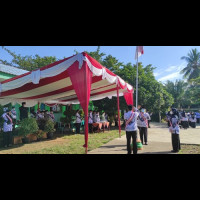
(131, 128)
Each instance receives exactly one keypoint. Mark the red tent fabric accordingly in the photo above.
(77, 79)
(129, 98)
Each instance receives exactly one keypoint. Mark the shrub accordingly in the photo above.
(28, 126)
(49, 126)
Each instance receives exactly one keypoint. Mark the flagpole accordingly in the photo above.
(137, 81)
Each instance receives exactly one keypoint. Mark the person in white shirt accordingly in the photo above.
(7, 128)
(184, 121)
(14, 117)
(131, 129)
(78, 122)
(90, 121)
(98, 117)
(175, 131)
(143, 124)
(192, 120)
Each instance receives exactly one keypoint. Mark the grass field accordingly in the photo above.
(63, 144)
(190, 149)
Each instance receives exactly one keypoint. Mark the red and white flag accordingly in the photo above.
(139, 52)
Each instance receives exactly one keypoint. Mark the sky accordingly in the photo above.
(166, 59)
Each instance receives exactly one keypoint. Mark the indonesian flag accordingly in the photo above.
(139, 52)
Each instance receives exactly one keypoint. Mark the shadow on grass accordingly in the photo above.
(161, 152)
(112, 146)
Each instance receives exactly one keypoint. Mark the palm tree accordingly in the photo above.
(193, 67)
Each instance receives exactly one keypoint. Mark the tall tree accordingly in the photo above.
(192, 70)
(28, 63)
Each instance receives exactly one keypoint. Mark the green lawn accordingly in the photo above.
(67, 144)
(190, 149)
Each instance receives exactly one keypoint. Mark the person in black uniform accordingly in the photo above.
(175, 130)
(23, 111)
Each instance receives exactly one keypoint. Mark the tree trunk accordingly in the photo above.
(159, 117)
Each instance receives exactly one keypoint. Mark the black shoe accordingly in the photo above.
(173, 151)
(146, 143)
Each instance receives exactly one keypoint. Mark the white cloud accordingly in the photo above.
(156, 74)
(175, 75)
(171, 68)
(172, 76)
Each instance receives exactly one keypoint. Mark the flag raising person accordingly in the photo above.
(131, 128)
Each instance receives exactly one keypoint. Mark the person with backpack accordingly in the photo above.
(131, 128)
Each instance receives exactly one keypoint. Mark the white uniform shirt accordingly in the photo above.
(78, 118)
(98, 118)
(132, 126)
(6, 127)
(90, 121)
(184, 119)
(175, 130)
(13, 113)
(193, 120)
(141, 122)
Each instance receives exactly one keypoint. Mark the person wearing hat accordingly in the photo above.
(131, 128)
(7, 128)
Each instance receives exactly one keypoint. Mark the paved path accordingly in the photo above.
(159, 141)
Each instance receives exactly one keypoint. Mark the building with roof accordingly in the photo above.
(7, 72)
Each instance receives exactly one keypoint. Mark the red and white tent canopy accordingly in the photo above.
(52, 84)
(73, 80)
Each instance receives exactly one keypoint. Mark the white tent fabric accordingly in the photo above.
(52, 85)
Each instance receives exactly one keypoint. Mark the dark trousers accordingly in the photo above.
(193, 124)
(133, 135)
(185, 124)
(90, 128)
(7, 138)
(78, 126)
(143, 134)
(176, 142)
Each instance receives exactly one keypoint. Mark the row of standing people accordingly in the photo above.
(184, 119)
(136, 119)
(10, 118)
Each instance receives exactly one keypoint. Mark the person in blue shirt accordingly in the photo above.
(131, 128)
(197, 117)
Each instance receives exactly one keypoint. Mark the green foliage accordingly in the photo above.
(49, 126)
(69, 116)
(192, 70)
(28, 63)
(28, 126)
